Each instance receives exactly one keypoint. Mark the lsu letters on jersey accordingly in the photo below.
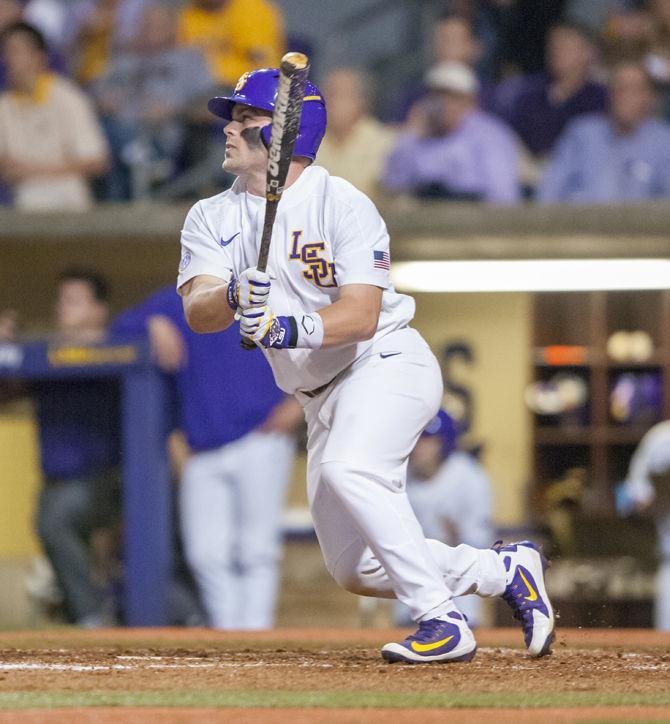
(327, 234)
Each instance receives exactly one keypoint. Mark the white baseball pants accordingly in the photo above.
(360, 433)
(231, 502)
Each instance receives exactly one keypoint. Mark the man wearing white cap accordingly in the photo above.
(648, 488)
(451, 149)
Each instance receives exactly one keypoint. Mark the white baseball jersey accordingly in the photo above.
(652, 457)
(326, 234)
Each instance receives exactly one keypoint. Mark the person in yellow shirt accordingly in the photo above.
(234, 35)
(51, 143)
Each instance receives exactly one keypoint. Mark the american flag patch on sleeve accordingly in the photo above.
(381, 259)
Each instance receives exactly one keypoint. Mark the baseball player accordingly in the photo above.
(337, 336)
(230, 516)
(450, 493)
(648, 488)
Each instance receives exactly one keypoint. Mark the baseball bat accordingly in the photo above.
(293, 73)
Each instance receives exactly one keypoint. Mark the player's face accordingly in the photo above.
(77, 309)
(426, 458)
(245, 152)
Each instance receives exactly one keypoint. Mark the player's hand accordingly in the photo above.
(263, 327)
(251, 289)
(284, 418)
(167, 344)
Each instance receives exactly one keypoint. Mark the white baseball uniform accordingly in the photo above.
(377, 395)
(231, 527)
(652, 457)
(454, 506)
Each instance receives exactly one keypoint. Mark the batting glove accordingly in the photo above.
(263, 327)
(251, 289)
(260, 325)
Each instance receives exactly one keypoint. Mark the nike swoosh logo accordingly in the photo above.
(422, 648)
(225, 242)
(531, 590)
(384, 355)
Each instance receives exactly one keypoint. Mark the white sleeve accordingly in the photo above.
(361, 246)
(201, 252)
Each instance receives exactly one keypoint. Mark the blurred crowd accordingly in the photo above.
(105, 100)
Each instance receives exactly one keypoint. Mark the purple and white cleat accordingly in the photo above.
(446, 639)
(526, 595)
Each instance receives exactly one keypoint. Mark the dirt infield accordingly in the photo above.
(331, 716)
(189, 675)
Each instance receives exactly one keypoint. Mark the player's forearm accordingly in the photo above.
(206, 308)
(347, 322)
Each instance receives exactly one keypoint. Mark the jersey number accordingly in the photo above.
(319, 271)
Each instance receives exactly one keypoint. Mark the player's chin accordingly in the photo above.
(229, 165)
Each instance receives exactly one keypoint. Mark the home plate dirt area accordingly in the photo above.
(319, 675)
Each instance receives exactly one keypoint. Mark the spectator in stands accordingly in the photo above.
(453, 40)
(14, 11)
(657, 60)
(79, 427)
(143, 97)
(231, 517)
(594, 14)
(453, 150)
(628, 33)
(616, 157)
(356, 144)
(538, 107)
(96, 29)
(647, 489)
(450, 493)
(235, 35)
(50, 140)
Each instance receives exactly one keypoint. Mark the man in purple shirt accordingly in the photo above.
(453, 150)
(539, 106)
(620, 156)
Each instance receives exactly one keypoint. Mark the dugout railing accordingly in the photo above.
(147, 534)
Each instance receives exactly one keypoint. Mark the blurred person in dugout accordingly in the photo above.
(647, 489)
(143, 98)
(230, 514)
(356, 145)
(50, 141)
(78, 425)
(451, 149)
(450, 493)
(615, 157)
(234, 35)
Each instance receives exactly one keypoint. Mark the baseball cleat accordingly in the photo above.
(437, 639)
(526, 595)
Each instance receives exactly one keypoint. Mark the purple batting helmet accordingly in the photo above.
(444, 427)
(259, 89)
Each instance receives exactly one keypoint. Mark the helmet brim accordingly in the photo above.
(222, 106)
